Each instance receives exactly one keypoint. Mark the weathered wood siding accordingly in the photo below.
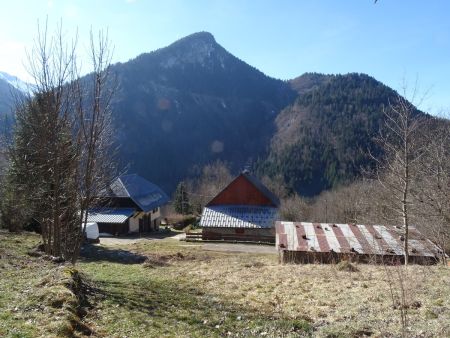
(265, 235)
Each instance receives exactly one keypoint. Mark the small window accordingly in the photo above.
(155, 210)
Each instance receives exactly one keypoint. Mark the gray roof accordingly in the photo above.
(145, 194)
(238, 216)
(112, 215)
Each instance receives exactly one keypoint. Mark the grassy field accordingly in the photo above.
(167, 288)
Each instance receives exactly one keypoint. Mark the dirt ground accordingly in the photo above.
(112, 241)
(219, 247)
(246, 248)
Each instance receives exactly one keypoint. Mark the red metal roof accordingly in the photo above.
(351, 238)
(245, 190)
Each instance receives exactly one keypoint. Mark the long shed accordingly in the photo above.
(304, 242)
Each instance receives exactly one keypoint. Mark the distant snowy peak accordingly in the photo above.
(15, 82)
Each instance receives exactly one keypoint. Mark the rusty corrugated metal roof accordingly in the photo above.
(351, 238)
(238, 216)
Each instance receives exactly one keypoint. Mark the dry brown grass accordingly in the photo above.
(338, 303)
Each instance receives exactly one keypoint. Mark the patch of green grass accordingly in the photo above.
(429, 314)
(36, 296)
(19, 274)
(439, 302)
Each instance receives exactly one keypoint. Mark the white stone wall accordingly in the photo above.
(134, 222)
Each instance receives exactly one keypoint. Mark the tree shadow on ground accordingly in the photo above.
(96, 253)
(182, 307)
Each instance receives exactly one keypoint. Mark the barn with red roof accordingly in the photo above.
(245, 210)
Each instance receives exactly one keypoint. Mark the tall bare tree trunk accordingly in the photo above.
(406, 180)
(399, 141)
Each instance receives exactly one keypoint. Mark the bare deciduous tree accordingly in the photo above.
(432, 183)
(399, 140)
(277, 185)
(295, 209)
(93, 122)
(213, 179)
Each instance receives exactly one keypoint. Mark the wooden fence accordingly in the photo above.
(214, 236)
(193, 236)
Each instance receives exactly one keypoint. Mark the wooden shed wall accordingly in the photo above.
(303, 257)
(266, 235)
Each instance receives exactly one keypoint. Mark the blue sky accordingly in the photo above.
(391, 40)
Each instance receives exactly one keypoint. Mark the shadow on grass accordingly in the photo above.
(96, 253)
(183, 308)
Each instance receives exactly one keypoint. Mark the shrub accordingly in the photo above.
(347, 266)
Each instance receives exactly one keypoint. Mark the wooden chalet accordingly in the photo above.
(245, 210)
(131, 204)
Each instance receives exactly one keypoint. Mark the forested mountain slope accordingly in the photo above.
(187, 105)
(191, 103)
(11, 90)
(325, 136)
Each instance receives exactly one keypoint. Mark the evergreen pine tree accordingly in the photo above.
(181, 200)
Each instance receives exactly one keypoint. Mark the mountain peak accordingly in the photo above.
(15, 82)
(202, 40)
(309, 81)
(199, 48)
(200, 36)
(195, 40)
